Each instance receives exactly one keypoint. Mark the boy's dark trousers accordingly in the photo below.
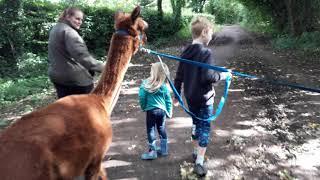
(63, 90)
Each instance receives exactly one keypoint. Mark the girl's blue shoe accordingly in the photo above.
(149, 155)
(163, 150)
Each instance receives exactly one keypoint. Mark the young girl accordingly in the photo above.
(155, 99)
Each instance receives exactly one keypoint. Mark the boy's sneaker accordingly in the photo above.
(200, 170)
(194, 157)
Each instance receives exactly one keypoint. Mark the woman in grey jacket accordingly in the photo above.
(71, 67)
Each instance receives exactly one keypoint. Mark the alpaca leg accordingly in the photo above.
(102, 173)
(95, 170)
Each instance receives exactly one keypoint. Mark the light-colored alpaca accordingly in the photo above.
(70, 137)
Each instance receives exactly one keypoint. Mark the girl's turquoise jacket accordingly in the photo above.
(158, 99)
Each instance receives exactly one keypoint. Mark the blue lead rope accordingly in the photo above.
(219, 108)
(235, 73)
(227, 83)
(220, 105)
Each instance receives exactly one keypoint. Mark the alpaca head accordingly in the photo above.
(132, 24)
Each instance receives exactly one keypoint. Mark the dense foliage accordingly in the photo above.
(25, 24)
(291, 16)
(24, 36)
(25, 27)
(11, 35)
(227, 11)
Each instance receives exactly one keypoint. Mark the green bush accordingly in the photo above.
(31, 65)
(27, 75)
(11, 34)
(14, 90)
(234, 12)
(35, 18)
(97, 28)
(258, 22)
(307, 41)
(159, 27)
(226, 12)
(40, 16)
(30, 79)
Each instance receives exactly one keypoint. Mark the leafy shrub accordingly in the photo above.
(307, 41)
(184, 33)
(13, 90)
(37, 18)
(40, 17)
(97, 28)
(258, 22)
(226, 12)
(30, 79)
(159, 26)
(11, 33)
(32, 65)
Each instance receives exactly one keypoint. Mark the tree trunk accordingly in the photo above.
(203, 2)
(11, 30)
(160, 11)
(173, 5)
(291, 22)
(176, 11)
(308, 19)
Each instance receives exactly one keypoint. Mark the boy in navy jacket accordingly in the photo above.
(198, 87)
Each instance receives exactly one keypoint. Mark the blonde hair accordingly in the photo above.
(157, 77)
(199, 24)
(68, 12)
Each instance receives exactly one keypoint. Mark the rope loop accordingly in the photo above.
(219, 107)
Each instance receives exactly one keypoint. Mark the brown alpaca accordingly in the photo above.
(70, 137)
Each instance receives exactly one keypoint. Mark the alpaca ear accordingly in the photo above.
(135, 13)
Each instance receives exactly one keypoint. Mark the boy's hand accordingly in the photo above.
(144, 50)
(175, 102)
(224, 75)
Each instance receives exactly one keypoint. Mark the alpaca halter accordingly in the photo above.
(125, 32)
(122, 32)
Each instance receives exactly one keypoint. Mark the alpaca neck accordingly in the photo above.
(119, 56)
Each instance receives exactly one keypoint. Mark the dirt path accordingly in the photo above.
(264, 132)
